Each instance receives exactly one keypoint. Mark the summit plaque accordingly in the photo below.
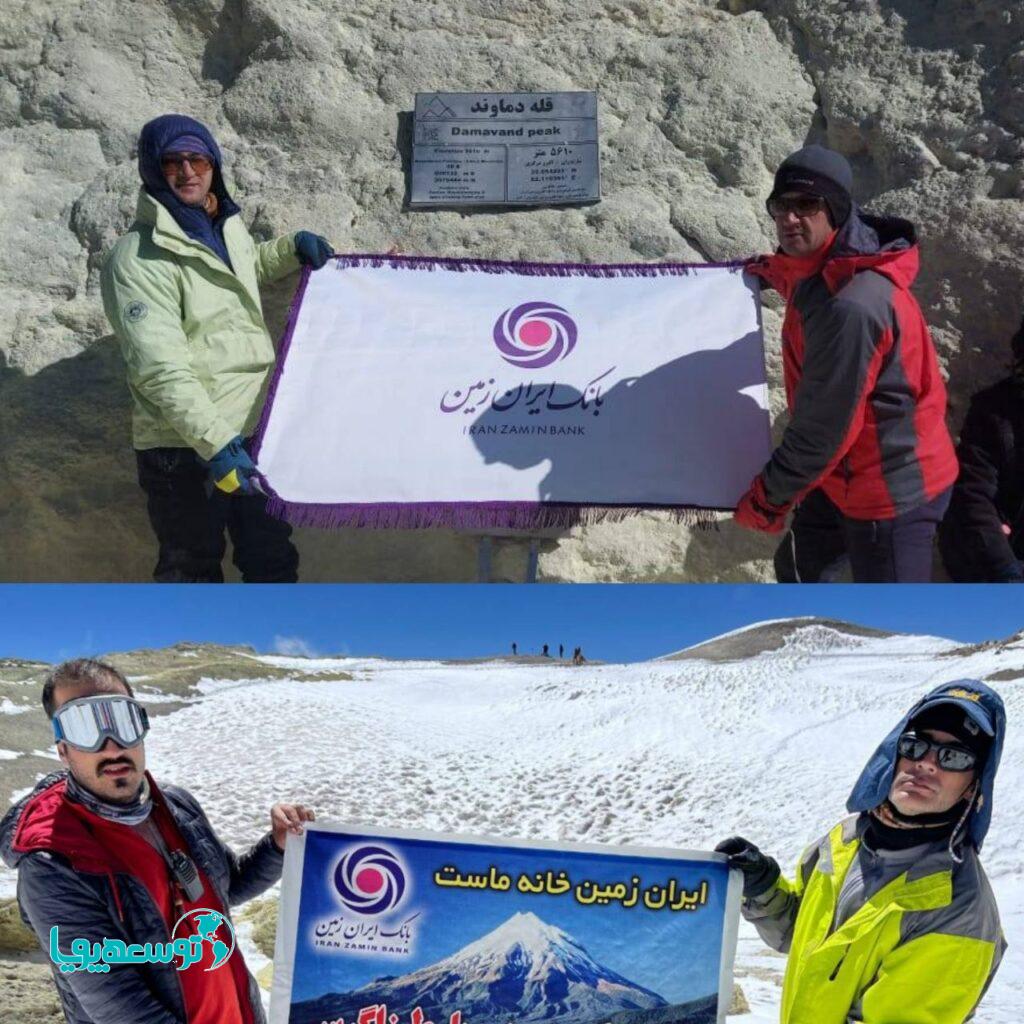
(505, 149)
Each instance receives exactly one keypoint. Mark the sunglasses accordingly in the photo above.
(87, 723)
(950, 756)
(802, 206)
(176, 162)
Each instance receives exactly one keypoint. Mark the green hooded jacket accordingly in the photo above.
(198, 351)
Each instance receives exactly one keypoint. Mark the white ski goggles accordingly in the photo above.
(87, 723)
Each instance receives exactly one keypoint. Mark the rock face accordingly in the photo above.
(699, 101)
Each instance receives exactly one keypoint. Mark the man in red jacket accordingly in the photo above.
(866, 460)
(103, 853)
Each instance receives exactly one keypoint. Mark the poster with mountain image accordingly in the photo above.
(389, 927)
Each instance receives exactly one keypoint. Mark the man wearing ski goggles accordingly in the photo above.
(102, 852)
(88, 722)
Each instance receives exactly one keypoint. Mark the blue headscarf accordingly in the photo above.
(985, 708)
(157, 138)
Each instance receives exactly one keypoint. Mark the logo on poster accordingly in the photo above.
(534, 334)
(370, 880)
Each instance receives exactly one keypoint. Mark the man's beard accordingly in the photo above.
(126, 790)
(130, 808)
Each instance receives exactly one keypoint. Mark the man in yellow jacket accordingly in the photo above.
(890, 919)
(181, 290)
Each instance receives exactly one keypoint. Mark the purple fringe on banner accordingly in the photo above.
(483, 515)
(460, 265)
(282, 354)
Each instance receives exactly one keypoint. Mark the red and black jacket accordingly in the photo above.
(866, 399)
(69, 877)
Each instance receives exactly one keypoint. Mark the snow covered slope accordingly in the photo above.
(667, 753)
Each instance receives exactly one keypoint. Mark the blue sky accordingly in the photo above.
(610, 622)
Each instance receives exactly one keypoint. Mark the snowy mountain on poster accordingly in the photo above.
(524, 970)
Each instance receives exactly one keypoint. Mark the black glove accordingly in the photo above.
(312, 250)
(760, 872)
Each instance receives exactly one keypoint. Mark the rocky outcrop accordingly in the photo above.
(698, 103)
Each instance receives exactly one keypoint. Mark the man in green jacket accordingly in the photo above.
(181, 290)
(890, 919)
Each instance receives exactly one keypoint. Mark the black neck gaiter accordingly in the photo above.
(889, 830)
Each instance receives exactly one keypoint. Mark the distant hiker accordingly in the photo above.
(866, 460)
(514, 650)
(102, 852)
(561, 651)
(890, 917)
(545, 651)
(982, 536)
(181, 290)
(577, 656)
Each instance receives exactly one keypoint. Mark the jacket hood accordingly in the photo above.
(985, 707)
(887, 245)
(38, 819)
(155, 137)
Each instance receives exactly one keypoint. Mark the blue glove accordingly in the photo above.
(312, 250)
(233, 471)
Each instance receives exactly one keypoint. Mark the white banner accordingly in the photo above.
(413, 391)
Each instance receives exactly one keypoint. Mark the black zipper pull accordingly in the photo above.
(835, 970)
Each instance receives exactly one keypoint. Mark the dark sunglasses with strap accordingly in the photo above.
(951, 757)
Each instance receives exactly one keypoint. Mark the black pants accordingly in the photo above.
(821, 541)
(189, 522)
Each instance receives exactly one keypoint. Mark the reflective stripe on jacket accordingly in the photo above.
(198, 351)
(921, 950)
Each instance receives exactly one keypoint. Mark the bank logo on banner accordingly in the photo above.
(530, 336)
(370, 881)
(534, 334)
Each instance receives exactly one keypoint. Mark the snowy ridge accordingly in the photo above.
(750, 627)
(809, 634)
